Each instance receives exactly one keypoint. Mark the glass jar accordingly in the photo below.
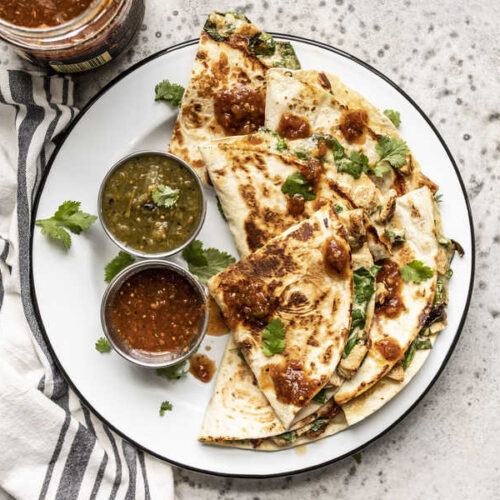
(88, 41)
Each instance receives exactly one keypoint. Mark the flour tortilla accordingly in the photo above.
(323, 99)
(314, 305)
(248, 173)
(238, 409)
(414, 211)
(220, 64)
(381, 393)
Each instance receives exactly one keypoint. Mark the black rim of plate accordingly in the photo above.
(297, 471)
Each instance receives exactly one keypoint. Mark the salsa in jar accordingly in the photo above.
(152, 204)
(70, 36)
(157, 310)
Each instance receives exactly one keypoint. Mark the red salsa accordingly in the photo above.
(41, 13)
(202, 367)
(390, 277)
(157, 310)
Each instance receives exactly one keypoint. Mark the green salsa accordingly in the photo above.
(151, 203)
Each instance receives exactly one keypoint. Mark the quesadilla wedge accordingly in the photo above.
(302, 103)
(288, 305)
(264, 189)
(239, 413)
(406, 287)
(226, 92)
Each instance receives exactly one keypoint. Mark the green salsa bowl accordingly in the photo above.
(151, 204)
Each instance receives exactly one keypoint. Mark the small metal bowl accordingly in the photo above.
(143, 358)
(134, 251)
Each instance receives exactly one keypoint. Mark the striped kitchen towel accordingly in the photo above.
(51, 445)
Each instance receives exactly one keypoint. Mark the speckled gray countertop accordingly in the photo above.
(446, 55)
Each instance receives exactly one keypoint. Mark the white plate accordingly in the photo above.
(68, 286)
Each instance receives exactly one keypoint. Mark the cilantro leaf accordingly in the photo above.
(438, 198)
(102, 345)
(53, 230)
(415, 271)
(392, 150)
(174, 372)
(194, 254)
(338, 208)
(296, 184)
(165, 196)
(320, 397)
(170, 92)
(68, 216)
(353, 164)
(205, 263)
(393, 116)
(114, 266)
(379, 170)
(273, 337)
(165, 406)
(449, 273)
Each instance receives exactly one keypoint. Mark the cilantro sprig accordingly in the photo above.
(102, 345)
(354, 164)
(297, 184)
(392, 151)
(205, 262)
(164, 196)
(165, 406)
(416, 271)
(68, 216)
(119, 263)
(273, 337)
(394, 116)
(170, 92)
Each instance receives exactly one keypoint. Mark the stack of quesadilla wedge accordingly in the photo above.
(226, 92)
(342, 283)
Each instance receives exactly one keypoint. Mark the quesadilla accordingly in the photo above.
(288, 305)
(406, 287)
(302, 103)
(263, 189)
(226, 92)
(240, 415)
